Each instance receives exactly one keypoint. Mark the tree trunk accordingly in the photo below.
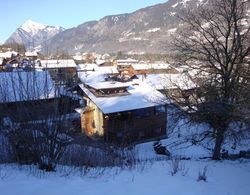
(218, 144)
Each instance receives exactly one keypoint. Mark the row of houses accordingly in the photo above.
(112, 101)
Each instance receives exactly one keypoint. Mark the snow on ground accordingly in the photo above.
(223, 178)
(152, 175)
(177, 143)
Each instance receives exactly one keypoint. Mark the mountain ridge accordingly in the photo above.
(130, 32)
(147, 30)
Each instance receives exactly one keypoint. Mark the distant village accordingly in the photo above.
(99, 96)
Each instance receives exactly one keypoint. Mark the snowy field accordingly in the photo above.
(151, 176)
(223, 178)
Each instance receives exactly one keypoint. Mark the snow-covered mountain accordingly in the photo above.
(32, 27)
(147, 30)
(33, 34)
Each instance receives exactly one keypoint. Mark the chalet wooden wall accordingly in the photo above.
(88, 122)
(38, 109)
(129, 128)
(92, 120)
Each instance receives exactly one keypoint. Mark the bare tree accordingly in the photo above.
(214, 42)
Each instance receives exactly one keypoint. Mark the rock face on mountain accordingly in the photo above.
(33, 34)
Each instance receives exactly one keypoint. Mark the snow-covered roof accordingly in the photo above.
(77, 57)
(91, 73)
(168, 81)
(30, 53)
(95, 67)
(8, 54)
(91, 77)
(108, 70)
(140, 96)
(150, 66)
(68, 63)
(26, 86)
(87, 67)
(99, 61)
(108, 85)
(193, 71)
(122, 62)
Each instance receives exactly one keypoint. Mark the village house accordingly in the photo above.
(123, 112)
(32, 96)
(63, 72)
(135, 69)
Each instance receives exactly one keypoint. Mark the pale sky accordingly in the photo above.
(65, 13)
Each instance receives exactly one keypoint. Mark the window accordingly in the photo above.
(83, 102)
(140, 113)
(160, 109)
(119, 134)
(93, 124)
(158, 131)
(141, 134)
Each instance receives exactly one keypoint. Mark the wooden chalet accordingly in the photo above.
(32, 96)
(123, 112)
